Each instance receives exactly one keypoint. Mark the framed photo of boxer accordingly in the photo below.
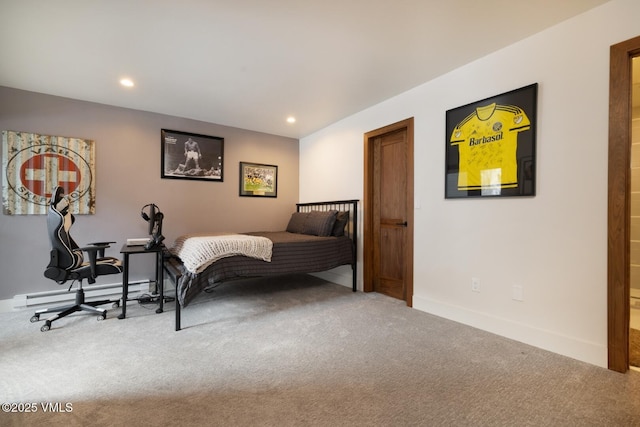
(192, 156)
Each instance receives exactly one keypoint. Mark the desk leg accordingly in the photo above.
(178, 326)
(125, 287)
(160, 279)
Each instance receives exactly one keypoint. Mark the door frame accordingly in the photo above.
(619, 206)
(367, 227)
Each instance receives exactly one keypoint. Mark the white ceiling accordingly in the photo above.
(252, 63)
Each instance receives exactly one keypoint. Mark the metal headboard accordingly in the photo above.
(351, 229)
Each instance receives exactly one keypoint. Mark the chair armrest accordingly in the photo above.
(95, 250)
(100, 245)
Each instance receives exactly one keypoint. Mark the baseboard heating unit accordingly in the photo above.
(63, 295)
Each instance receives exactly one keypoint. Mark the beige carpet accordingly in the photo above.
(296, 352)
(634, 347)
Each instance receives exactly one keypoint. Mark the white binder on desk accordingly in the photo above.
(138, 242)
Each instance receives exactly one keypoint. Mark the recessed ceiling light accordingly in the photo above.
(291, 119)
(126, 82)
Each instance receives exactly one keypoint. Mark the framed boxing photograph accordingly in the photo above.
(491, 146)
(191, 156)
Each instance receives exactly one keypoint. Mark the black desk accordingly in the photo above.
(130, 250)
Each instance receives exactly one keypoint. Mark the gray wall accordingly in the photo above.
(128, 177)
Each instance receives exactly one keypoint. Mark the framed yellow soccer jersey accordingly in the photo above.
(491, 146)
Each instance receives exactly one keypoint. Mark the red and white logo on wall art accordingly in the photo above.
(33, 165)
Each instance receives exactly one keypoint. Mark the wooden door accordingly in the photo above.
(619, 208)
(389, 211)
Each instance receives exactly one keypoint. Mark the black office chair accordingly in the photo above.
(67, 262)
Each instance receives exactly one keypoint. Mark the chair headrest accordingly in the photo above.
(58, 201)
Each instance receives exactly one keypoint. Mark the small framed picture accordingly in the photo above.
(192, 156)
(258, 180)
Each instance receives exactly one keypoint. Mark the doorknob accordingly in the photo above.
(402, 224)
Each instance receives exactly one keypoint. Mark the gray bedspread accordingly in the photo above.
(292, 253)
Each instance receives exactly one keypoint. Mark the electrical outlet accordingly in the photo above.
(517, 293)
(475, 284)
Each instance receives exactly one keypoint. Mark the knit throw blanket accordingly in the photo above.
(197, 252)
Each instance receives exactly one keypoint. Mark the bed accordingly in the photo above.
(319, 236)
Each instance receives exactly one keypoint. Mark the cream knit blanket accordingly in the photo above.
(198, 251)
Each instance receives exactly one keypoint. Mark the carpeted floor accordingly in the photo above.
(295, 351)
(634, 347)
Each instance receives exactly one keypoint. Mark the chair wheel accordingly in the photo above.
(34, 318)
(102, 316)
(46, 326)
(116, 304)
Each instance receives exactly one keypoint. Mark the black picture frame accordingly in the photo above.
(491, 146)
(258, 180)
(191, 156)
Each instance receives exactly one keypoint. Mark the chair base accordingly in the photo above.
(79, 305)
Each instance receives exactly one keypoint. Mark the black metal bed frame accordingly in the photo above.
(171, 265)
(351, 229)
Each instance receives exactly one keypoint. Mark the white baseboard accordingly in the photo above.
(340, 275)
(63, 296)
(589, 352)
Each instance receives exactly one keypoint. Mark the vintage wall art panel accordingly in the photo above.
(33, 165)
(491, 146)
(192, 156)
